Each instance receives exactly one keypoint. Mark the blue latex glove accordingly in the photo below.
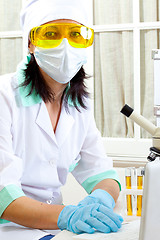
(80, 219)
(99, 196)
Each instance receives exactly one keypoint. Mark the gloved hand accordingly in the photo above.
(99, 196)
(79, 219)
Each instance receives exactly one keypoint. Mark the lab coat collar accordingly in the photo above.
(26, 100)
(43, 121)
(64, 126)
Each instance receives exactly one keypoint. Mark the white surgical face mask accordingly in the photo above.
(61, 63)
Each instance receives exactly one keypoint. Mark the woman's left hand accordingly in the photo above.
(99, 196)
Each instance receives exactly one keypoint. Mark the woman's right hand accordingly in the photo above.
(87, 219)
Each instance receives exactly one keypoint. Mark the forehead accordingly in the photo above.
(62, 20)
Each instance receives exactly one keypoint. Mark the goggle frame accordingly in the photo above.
(78, 36)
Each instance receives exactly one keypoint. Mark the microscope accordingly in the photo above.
(149, 127)
(150, 220)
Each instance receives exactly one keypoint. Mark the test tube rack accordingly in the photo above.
(132, 193)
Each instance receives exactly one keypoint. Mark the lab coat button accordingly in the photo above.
(49, 201)
(52, 162)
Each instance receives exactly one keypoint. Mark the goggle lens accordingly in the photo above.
(51, 35)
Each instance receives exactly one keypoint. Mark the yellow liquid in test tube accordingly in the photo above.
(139, 197)
(129, 197)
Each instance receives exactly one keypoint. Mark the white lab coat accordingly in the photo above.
(35, 159)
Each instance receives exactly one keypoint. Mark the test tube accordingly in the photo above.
(128, 186)
(140, 173)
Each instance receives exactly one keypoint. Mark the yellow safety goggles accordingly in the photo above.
(51, 35)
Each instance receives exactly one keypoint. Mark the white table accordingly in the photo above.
(12, 231)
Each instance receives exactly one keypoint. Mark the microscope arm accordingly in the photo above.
(147, 125)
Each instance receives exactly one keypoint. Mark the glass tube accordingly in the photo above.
(128, 186)
(140, 173)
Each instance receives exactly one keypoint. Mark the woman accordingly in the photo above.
(47, 128)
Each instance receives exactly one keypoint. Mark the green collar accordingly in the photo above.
(33, 98)
(26, 100)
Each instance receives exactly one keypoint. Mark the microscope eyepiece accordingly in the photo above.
(126, 110)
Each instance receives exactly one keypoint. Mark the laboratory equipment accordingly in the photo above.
(149, 227)
(132, 193)
(128, 186)
(149, 127)
(140, 175)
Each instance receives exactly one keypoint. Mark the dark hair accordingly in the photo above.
(77, 91)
